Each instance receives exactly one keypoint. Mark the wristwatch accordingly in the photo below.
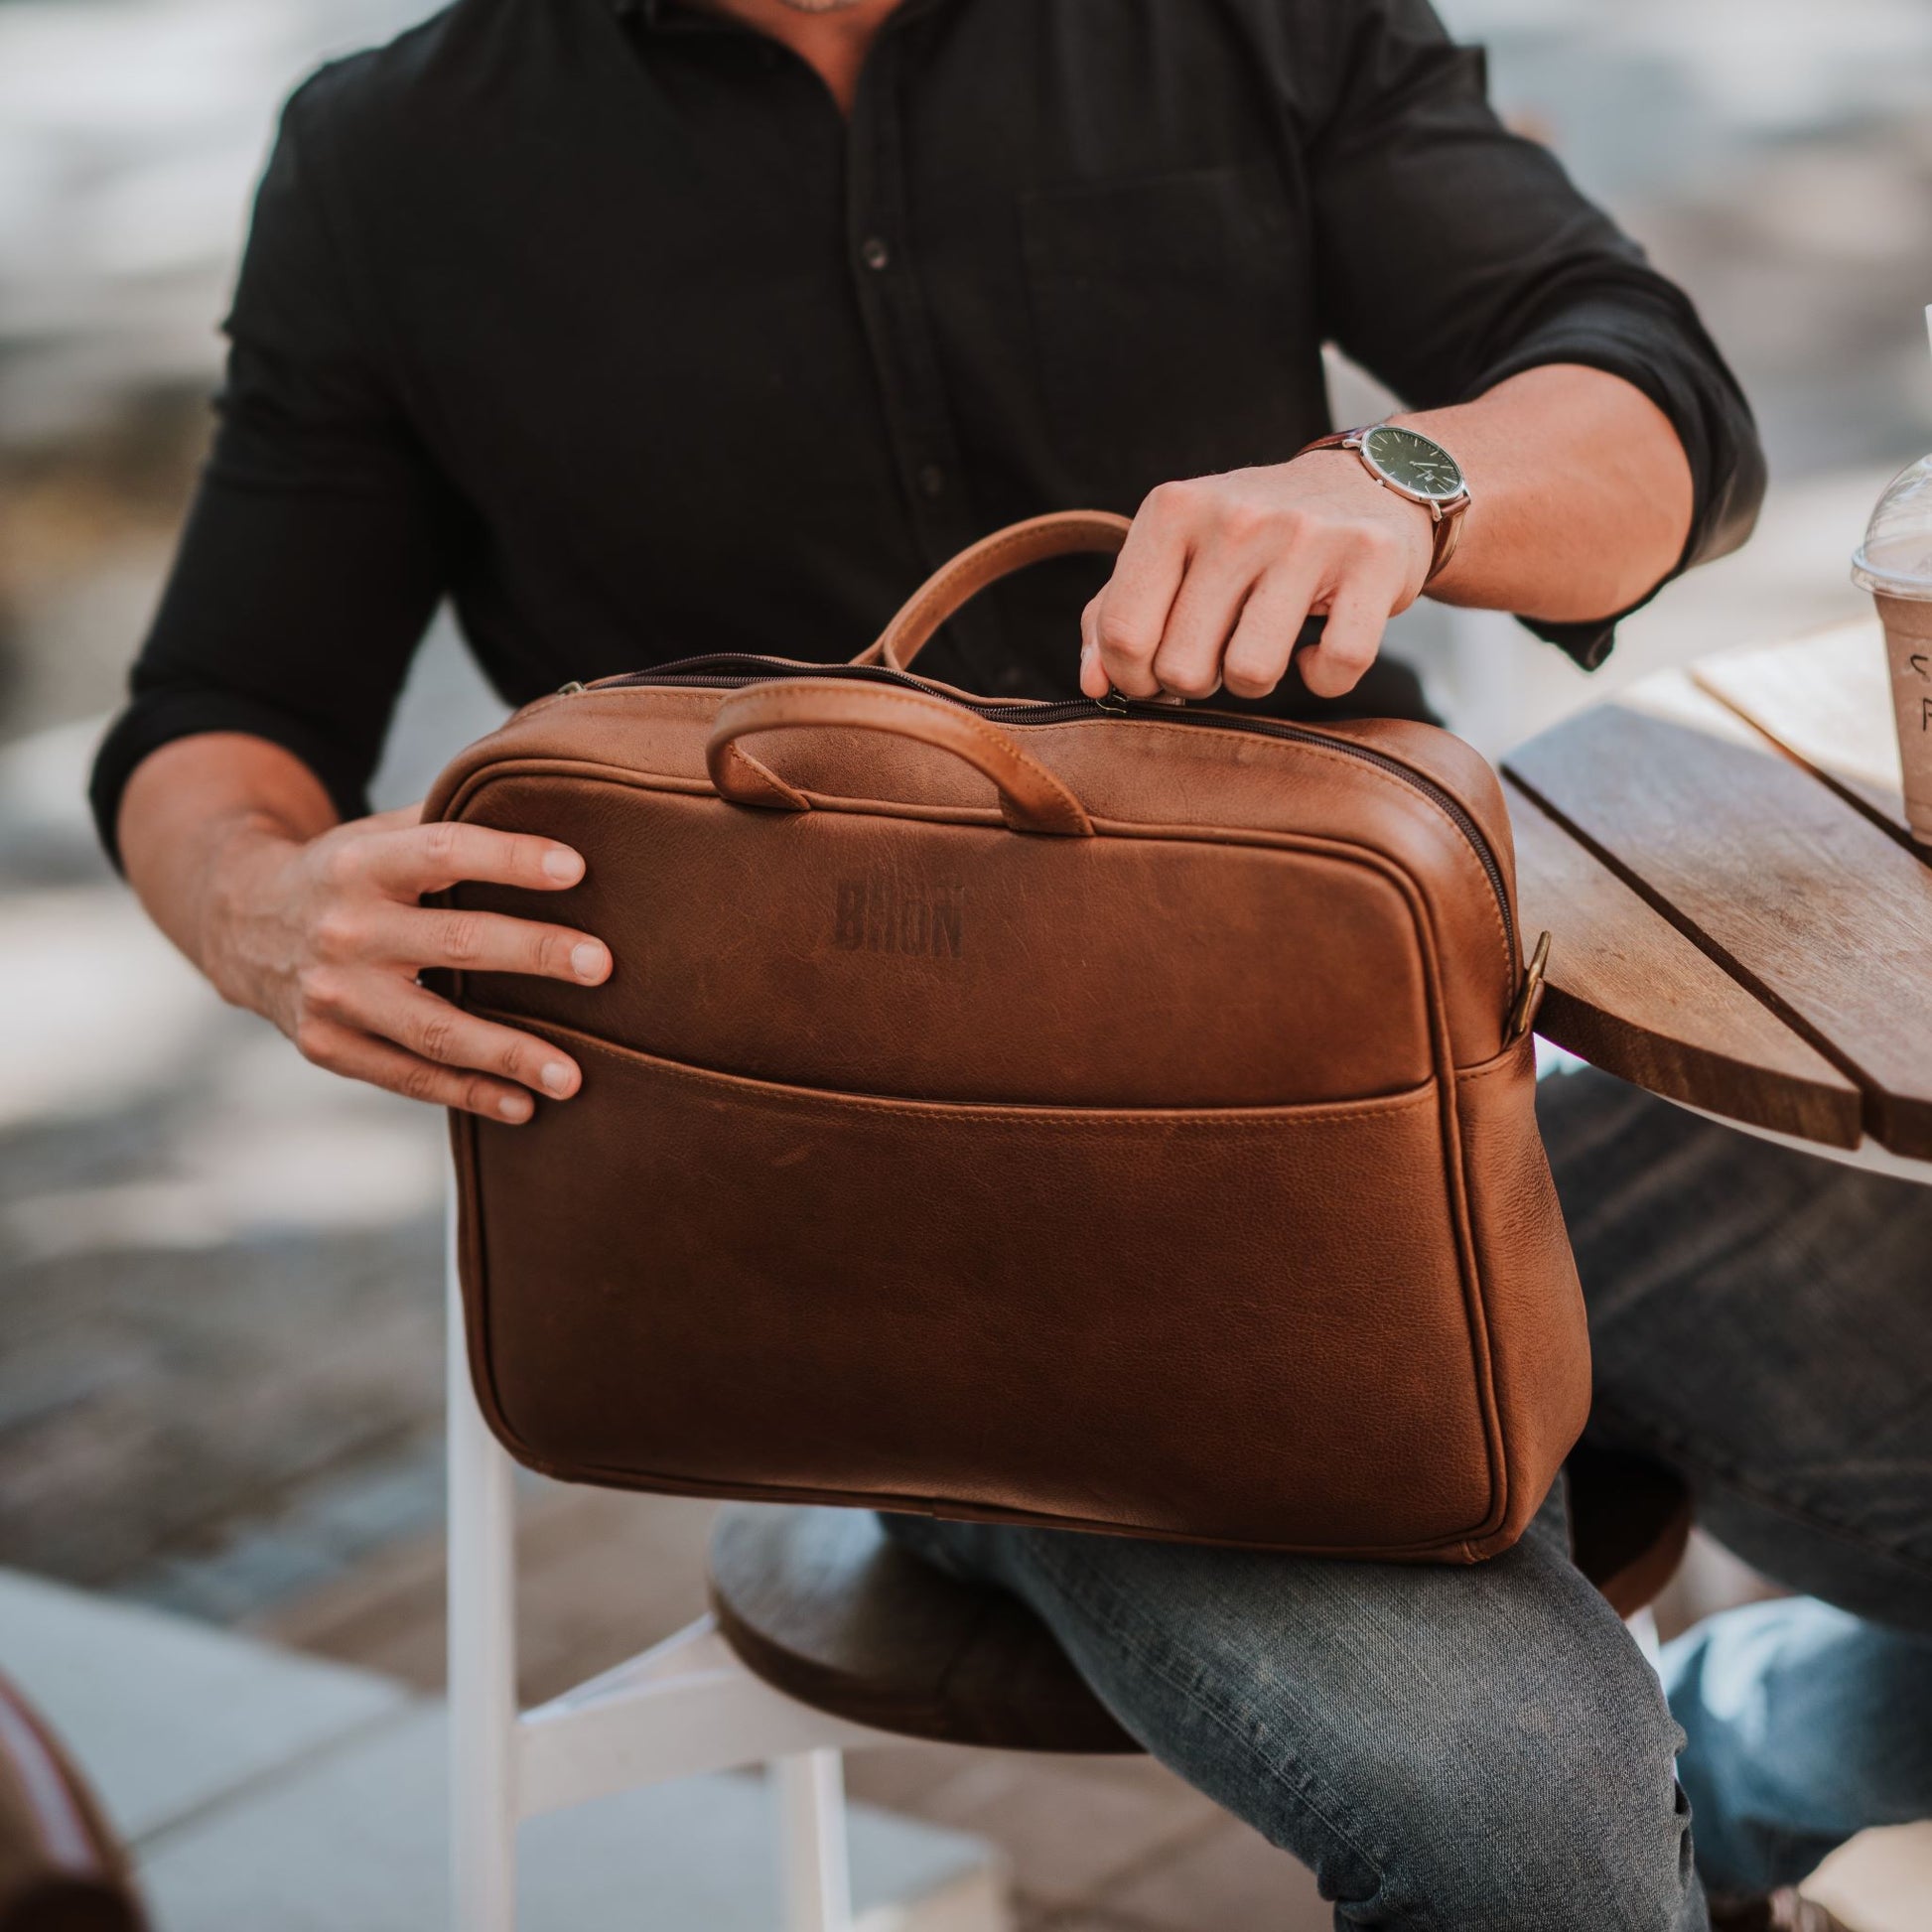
(1414, 466)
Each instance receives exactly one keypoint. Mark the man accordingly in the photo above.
(640, 329)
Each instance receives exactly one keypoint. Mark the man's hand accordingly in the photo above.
(325, 937)
(1218, 575)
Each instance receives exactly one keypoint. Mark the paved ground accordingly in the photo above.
(219, 1270)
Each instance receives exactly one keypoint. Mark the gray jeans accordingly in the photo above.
(1486, 1748)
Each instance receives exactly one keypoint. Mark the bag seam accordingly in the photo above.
(993, 1112)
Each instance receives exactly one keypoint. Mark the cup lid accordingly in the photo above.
(1895, 558)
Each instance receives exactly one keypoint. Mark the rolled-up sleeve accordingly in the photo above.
(1453, 255)
(313, 553)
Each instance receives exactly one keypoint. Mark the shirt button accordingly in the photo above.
(932, 479)
(873, 252)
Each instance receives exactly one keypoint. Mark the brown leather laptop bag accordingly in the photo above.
(1087, 1114)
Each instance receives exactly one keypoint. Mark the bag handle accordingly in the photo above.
(1064, 533)
(1031, 798)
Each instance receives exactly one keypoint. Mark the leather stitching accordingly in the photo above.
(1508, 1061)
(761, 781)
(989, 1112)
(1335, 755)
(781, 707)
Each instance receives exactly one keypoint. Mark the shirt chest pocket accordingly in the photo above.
(1174, 326)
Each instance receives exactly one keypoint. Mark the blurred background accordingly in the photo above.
(219, 1269)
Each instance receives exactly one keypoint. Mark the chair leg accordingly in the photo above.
(483, 1747)
(812, 1847)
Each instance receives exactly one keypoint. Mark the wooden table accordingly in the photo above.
(1741, 922)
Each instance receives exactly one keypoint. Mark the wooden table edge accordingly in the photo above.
(1807, 1112)
(1868, 1157)
(1667, 1052)
(1900, 1123)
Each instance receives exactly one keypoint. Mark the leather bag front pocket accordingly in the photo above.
(723, 1286)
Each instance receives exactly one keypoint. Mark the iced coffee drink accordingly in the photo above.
(1895, 565)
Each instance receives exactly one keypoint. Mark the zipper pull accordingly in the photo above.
(569, 690)
(1115, 700)
(1522, 1012)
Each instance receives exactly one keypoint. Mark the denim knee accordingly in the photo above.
(1524, 1794)
(1466, 1751)
(1545, 1833)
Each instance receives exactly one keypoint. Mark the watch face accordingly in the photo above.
(1413, 462)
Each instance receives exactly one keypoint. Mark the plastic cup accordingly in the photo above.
(1895, 565)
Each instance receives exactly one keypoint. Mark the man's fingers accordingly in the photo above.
(357, 1055)
(416, 859)
(1205, 612)
(434, 1029)
(1357, 616)
(477, 942)
(1124, 623)
(1093, 674)
(1264, 640)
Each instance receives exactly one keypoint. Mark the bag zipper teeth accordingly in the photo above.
(1063, 710)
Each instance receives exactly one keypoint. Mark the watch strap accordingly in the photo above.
(1340, 440)
(1449, 533)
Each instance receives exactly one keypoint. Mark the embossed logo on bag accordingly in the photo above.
(885, 914)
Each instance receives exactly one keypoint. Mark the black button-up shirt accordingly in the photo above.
(602, 320)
